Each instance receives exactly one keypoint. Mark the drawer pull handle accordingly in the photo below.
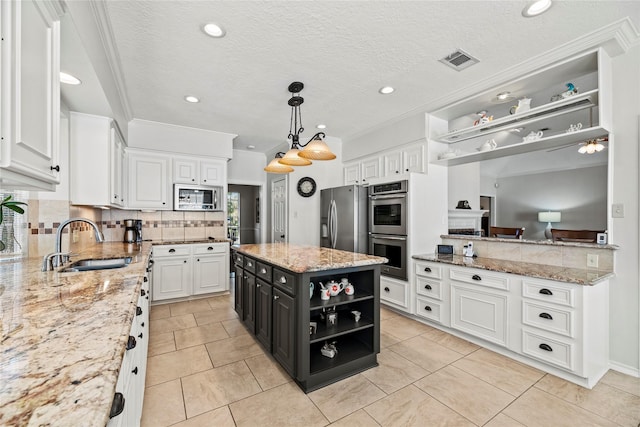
(263, 271)
(138, 311)
(275, 297)
(142, 291)
(131, 343)
(546, 316)
(171, 250)
(545, 291)
(386, 289)
(427, 269)
(210, 248)
(476, 277)
(146, 279)
(283, 279)
(545, 347)
(258, 285)
(426, 307)
(117, 406)
(427, 287)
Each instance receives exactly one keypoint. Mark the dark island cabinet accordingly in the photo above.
(290, 319)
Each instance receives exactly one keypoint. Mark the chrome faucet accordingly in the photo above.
(57, 258)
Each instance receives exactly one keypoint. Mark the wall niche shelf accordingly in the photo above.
(573, 103)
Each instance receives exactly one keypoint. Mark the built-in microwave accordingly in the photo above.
(197, 198)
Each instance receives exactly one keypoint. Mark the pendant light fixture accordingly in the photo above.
(592, 146)
(299, 154)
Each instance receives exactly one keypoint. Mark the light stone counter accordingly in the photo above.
(300, 259)
(63, 337)
(550, 272)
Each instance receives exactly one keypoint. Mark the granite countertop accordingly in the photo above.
(64, 336)
(551, 272)
(301, 259)
(188, 242)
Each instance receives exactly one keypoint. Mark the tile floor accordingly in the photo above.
(204, 369)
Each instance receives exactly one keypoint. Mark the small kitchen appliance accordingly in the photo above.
(132, 231)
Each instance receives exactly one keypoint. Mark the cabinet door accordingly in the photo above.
(370, 169)
(480, 313)
(171, 278)
(213, 172)
(148, 187)
(209, 273)
(283, 330)
(30, 101)
(238, 292)
(413, 159)
(185, 171)
(263, 313)
(352, 174)
(392, 163)
(249, 300)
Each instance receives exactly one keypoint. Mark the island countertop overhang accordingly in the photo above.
(302, 258)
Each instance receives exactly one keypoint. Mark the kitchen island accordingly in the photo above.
(278, 297)
(64, 337)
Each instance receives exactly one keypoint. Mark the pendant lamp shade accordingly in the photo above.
(316, 149)
(276, 167)
(293, 158)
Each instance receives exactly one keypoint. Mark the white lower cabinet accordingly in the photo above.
(562, 328)
(183, 270)
(396, 292)
(126, 409)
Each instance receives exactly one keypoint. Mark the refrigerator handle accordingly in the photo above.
(334, 224)
(329, 211)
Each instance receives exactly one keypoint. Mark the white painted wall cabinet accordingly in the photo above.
(30, 94)
(406, 159)
(149, 186)
(189, 170)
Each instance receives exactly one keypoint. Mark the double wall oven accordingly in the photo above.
(388, 226)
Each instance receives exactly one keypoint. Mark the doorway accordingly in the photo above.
(243, 214)
(487, 204)
(279, 210)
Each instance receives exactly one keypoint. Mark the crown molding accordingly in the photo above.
(615, 38)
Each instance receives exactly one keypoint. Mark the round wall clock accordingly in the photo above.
(306, 187)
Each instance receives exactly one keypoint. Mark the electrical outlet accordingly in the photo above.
(592, 260)
(617, 210)
(75, 236)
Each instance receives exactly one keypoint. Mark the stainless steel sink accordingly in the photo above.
(97, 264)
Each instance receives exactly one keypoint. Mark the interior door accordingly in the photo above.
(279, 211)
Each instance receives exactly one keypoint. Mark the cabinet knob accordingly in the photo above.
(135, 371)
(55, 168)
(263, 271)
(164, 203)
(142, 291)
(426, 307)
(205, 180)
(476, 277)
(258, 285)
(140, 336)
(198, 259)
(406, 170)
(142, 324)
(283, 279)
(185, 261)
(193, 179)
(427, 287)
(117, 406)
(545, 347)
(427, 270)
(546, 316)
(386, 289)
(145, 279)
(545, 291)
(275, 297)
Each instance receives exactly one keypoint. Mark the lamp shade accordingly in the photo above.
(275, 167)
(293, 158)
(549, 216)
(316, 149)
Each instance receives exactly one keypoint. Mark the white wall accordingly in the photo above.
(179, 139)
(464, 184)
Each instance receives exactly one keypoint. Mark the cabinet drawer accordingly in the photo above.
(428, 270)
(556, 352)
(284, 280)
(549, 292)
(250, 264)
(263, 271)
(429, 288)
(214, 248)
(429, 309)
(393, 292)
(239, 259)
(479, 277)
(547, 318)
(171, 250)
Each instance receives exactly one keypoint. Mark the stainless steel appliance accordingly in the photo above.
(343, 218)
(132, 231)
(388, 208)
(388, 226)
(197, 198)
(394, 248)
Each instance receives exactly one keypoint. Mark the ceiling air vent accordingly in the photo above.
(459, 60)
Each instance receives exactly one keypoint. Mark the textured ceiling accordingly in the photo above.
(343, 51)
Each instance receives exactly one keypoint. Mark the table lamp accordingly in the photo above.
(548, 217)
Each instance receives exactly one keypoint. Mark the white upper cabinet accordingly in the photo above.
(96, 157)
(569, 102)
(30, 94)
(405, 159)
(149, 186)
(190, 170)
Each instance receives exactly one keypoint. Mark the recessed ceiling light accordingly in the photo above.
(190, 98)
(386, 90)
(321, 126)
(503, 95)
(214, 30)
(535, 8)
(69, 79)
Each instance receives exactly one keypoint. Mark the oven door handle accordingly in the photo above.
(388, 196)
(387, 237)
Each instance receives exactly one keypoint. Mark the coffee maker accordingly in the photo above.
(133, 230)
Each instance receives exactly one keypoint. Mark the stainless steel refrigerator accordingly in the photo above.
(343, 218)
